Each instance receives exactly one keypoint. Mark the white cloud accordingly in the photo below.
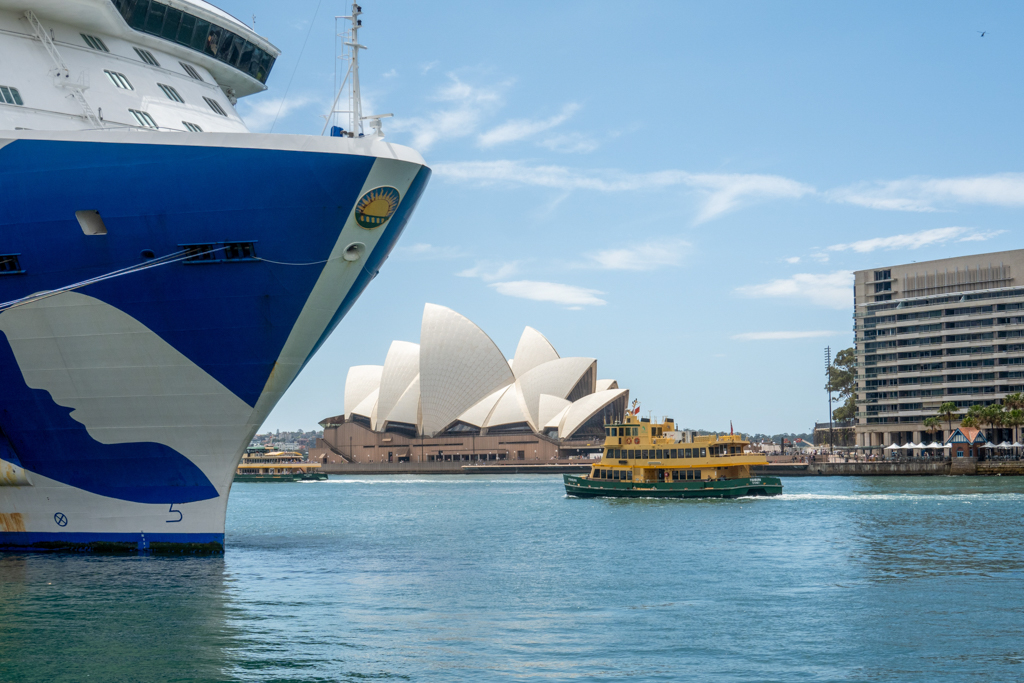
(761, 336)
(260, 114)
(570, 143)
(916, 240)
(465, 106)
(568, 295)
(723, 192)
(428, 252)
(981, 236)
(510, 131)
(793, 259)
(930, 194)
(488, 271)
(640, 257)
(391, 74)
(834, 290)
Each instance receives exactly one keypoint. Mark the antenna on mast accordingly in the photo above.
(350, 47)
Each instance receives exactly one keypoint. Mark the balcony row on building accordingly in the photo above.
(928, 333)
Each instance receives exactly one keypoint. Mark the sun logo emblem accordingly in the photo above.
(376, 206)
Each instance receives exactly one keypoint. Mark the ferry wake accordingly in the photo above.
(165, 272)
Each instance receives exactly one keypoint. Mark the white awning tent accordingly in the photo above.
(1016, 445)
(893, 447)
(1005, 444)
(936, 444)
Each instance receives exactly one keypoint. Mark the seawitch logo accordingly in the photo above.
(376, 206)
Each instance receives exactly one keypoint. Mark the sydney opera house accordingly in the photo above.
(454, 397)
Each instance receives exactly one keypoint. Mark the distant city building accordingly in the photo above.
(932, 332)
(455, 398)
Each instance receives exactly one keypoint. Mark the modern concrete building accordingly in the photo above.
(935, 331)
(455, 398)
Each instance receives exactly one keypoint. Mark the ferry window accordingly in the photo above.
(94, 42)
(10, 95)
(9, 264)
(144, 119)
(192, 127)
(615, 474)
(171, 93)
(214, 106)
(634, 431)
(191, 71)
(146, 56)
(629, 476)
(120, 80)
(703, 452)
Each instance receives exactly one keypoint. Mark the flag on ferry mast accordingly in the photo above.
(730, 427)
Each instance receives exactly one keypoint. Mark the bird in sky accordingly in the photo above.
(982, 33)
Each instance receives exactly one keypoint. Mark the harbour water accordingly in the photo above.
(484, 578)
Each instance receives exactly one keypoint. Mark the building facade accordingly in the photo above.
(927, 333)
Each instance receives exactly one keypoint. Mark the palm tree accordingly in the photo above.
(1014, 402)
(948, 411)
(930, 425)
(969, 421)
(1014, 419)
(992, 416)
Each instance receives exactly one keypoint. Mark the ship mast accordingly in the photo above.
(350, 82)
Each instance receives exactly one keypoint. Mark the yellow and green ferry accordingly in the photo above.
(641, 460)
(259, 464)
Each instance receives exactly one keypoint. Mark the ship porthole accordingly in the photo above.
(147, 254)
(354, 251)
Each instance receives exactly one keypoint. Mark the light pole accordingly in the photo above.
(828, 388)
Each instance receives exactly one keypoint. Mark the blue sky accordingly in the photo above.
(678, 189)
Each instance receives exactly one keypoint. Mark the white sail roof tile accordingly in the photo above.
(508, 409)
(459, 366)
(368, 406)
(549, 407)
(585, 408)
(533, 350)
(360, 382)
(477, 415)
(401, 366)
(606, 384)
(556, 377)
(407, 408)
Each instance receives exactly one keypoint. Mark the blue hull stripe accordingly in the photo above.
(22, 540)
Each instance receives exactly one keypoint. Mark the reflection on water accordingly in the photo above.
(69, 617)
(470, 579)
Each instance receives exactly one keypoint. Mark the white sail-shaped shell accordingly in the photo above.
(401, 367)
(557, 377)
(585, 408)
(459, 366)
(361, 381)
(534, 349)
(407, 409)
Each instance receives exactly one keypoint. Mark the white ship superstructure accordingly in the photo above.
(164, 273)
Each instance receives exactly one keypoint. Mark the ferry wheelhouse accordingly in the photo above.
(643, 460)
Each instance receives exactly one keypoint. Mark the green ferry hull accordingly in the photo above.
(583, 487)
(265, 478)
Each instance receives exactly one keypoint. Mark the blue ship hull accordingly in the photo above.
(136, 395)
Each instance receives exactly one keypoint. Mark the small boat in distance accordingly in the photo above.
(641, 460)
(259, 464)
